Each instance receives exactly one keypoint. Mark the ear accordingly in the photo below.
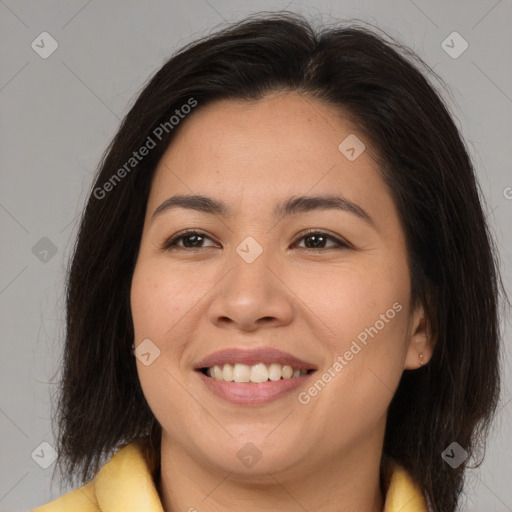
(421, 344)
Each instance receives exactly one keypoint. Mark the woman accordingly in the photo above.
(284, 291)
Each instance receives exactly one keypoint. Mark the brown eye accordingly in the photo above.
(191, 239)
(319, 239)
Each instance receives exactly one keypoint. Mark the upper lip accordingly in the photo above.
(264, 355)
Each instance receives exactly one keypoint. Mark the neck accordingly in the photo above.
(348, 481)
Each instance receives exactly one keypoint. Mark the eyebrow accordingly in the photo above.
(290, 206)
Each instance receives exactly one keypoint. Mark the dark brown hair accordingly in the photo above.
(454, 272)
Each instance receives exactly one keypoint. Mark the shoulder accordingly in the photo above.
(125, 481)
(82, 499)
(402, 492)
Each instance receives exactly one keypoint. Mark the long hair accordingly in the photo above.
(380, 84)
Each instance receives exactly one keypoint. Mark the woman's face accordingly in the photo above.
(248, 281)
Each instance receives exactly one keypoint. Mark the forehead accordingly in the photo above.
(284, 138)
(253, 155)
(287, 120)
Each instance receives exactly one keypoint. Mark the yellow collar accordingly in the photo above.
(125, 484)
(403, 494)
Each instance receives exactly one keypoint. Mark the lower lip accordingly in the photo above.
(243, 393)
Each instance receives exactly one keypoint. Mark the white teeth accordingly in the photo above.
(227, 372)
(241, 373)
(256, 373)
(217, 373)
(274, 371)
(259, 373)
(287, 372)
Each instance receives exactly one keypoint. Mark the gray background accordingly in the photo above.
(58, 115)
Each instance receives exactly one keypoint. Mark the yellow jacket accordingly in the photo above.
(125, 484)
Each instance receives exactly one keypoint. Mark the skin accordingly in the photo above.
(192, 301)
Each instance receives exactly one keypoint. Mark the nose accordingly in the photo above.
(252, 296)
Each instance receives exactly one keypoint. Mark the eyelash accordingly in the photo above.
(170, 243)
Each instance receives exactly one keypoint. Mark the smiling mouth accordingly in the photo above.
(254, 374)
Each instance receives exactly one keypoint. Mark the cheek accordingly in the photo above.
(368, 313)
(162, 299)
(162, 311)
(357, 299)
(367, 366)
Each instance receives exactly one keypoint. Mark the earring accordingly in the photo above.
(132, 351)
(421, 359)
